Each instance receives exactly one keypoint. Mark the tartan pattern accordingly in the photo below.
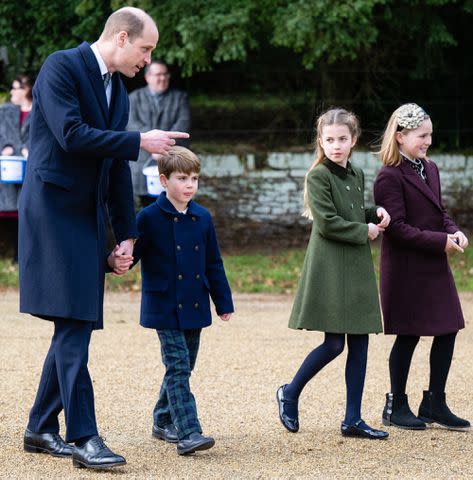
(176, 403)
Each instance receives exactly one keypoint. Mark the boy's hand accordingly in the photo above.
(225, 316)
(120, 263)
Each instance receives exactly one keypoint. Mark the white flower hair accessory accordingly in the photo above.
(410, 116)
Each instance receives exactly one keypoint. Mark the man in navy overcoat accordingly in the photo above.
(77, 180)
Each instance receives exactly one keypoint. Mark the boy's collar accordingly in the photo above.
(337, 169)
(168, 207)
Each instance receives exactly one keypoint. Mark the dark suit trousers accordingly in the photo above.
(65, 383)
(176, 403)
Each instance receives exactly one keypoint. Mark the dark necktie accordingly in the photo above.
(106, 79)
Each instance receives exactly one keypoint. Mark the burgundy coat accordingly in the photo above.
(418, 293)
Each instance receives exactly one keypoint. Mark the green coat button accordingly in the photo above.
(348, 187)
(359, 189)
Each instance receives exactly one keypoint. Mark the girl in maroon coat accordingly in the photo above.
(418, 294)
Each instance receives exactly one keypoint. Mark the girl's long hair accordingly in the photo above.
(334, 116)
(389, 152)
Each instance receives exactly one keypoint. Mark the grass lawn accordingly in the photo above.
(276, 272)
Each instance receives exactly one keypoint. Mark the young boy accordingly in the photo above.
(180, 266)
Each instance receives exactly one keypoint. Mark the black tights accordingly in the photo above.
(441, 355)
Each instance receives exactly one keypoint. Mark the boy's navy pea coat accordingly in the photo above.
(180, 266)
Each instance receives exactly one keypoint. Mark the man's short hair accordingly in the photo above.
(178, 159)
(128, 19)
(156, 62)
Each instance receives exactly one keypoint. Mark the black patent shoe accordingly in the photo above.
(168, 433)
(195, 442)
(360, 429)
(95, 454)
(51, 443)
(290, 423)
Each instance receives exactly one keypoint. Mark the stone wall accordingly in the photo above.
(256, 200)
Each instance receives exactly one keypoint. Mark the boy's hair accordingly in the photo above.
(334, 116)
(178, 159)
(389, 152)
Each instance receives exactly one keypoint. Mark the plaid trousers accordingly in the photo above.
(176, 403)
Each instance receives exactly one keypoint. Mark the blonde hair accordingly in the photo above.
(334, 116)
(178, 159)
(389, 152)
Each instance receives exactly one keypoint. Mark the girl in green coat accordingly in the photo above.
(337, 291)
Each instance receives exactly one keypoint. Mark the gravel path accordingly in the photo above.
(239, 368)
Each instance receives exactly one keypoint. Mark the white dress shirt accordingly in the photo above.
(103, 71)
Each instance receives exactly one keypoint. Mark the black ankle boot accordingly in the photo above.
(434, 409)
(398, 413)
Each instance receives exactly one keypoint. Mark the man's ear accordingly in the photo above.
(121, 38)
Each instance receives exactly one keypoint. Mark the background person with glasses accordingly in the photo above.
(156, 106)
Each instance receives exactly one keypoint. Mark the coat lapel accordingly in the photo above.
(414, 179)
(95, 77)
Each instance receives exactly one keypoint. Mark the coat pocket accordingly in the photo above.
(56, 178)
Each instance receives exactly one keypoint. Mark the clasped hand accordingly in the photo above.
(121, 258)
(374, 230)
(456, 242)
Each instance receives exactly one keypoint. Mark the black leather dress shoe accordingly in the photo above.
(292, 424)
(195, 442)
(95, 454)
(360, 429)
(168, 433)
(51, 443)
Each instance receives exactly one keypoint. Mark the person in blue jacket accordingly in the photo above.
(77, 181)
(180, 266)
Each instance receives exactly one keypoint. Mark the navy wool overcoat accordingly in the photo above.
(77, 180)
(418, 293)
(180, 266)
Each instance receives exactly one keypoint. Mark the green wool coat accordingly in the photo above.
(337, 290)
